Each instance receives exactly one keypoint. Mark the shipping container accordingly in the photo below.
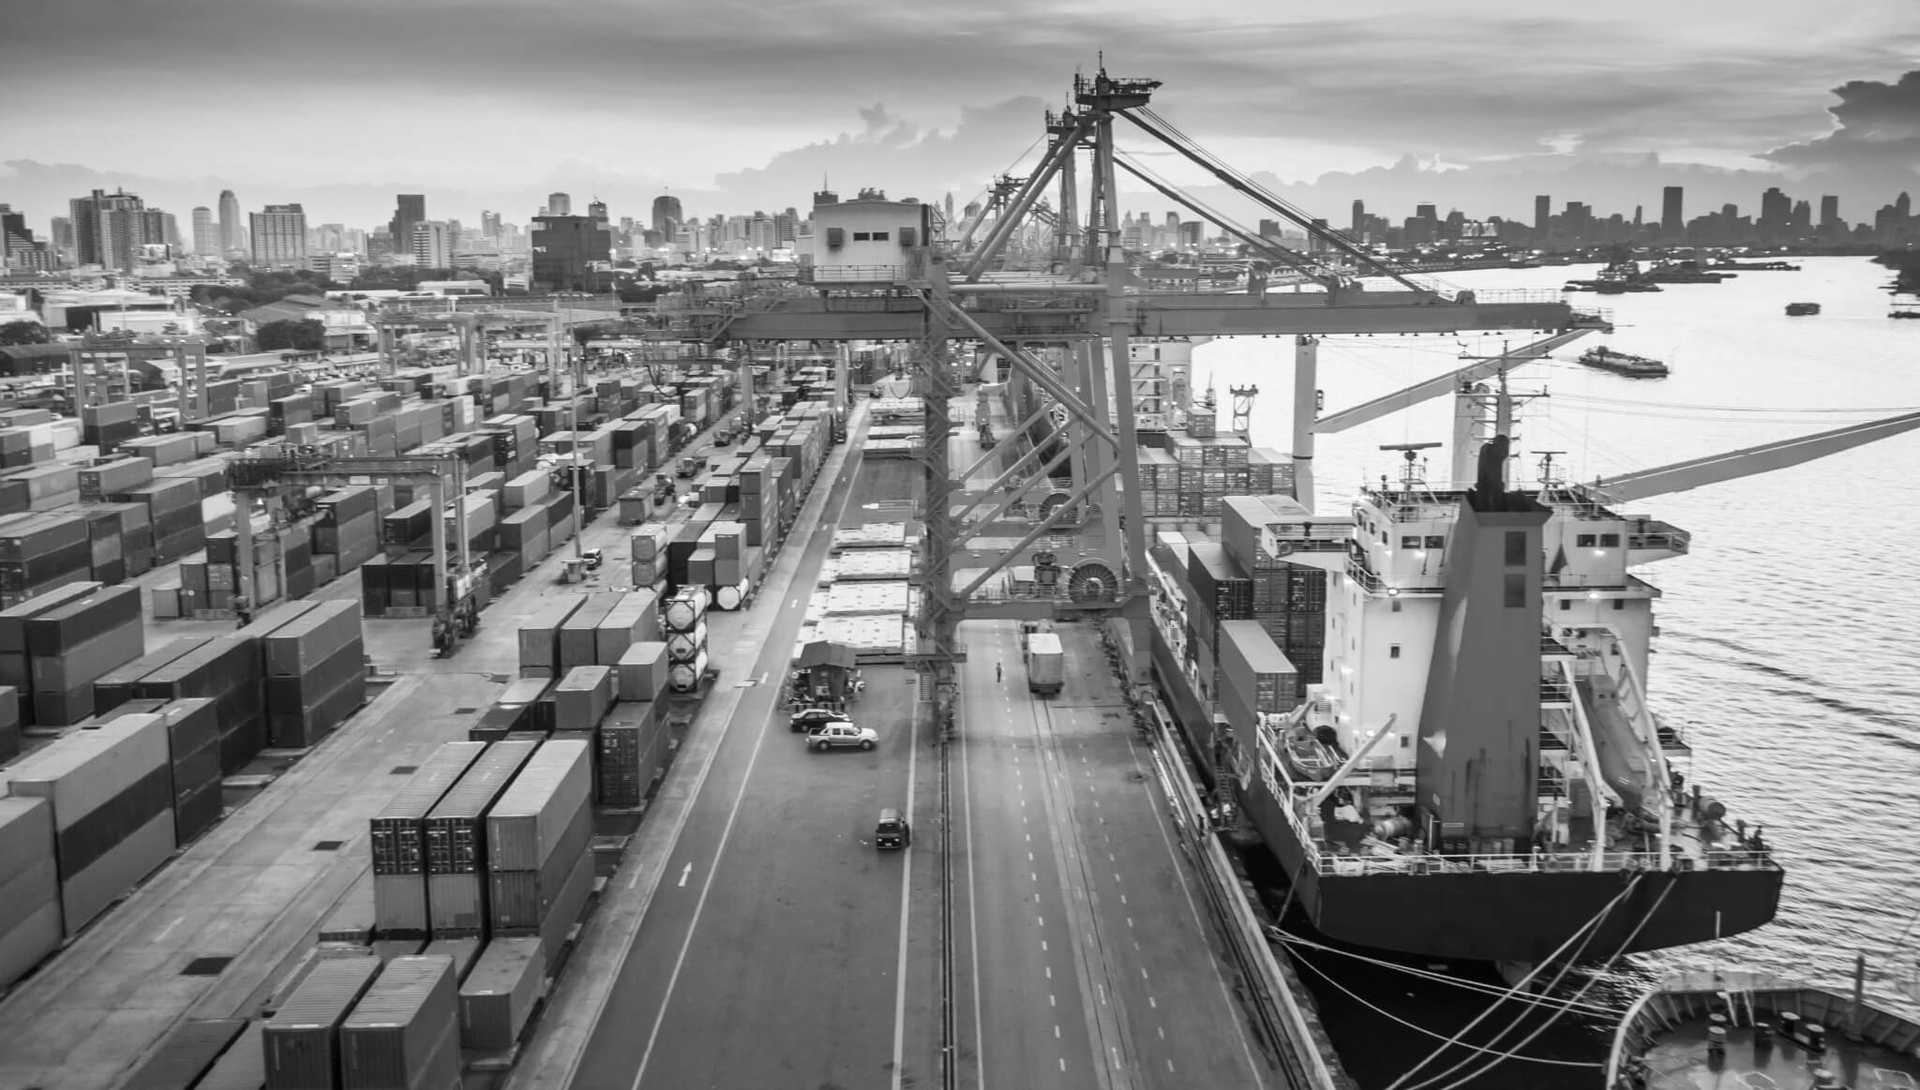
(300, 1043)
(540, 635)
(577, 635)
(464, 952)
(581, 698)
(642, 671)
(185, 1054)
(242, 1067)
(635, 619)
(115, 687)
(404, 1032)
(531, 818)
(397, 838)
(29, 886)
(456, 847)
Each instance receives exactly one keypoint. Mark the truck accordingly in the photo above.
(1046, 663)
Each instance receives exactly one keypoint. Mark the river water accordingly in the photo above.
(1790, 635)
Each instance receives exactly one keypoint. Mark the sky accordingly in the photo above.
(737, 104)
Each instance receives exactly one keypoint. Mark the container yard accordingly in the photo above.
(189, 620)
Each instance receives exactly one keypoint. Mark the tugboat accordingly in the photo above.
(1623, 363)
(1796, 310)
(1744, 1029)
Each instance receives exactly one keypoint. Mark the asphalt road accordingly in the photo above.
(1090, 960)
(776, 951)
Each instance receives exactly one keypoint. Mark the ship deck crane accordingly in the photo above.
(456, 603)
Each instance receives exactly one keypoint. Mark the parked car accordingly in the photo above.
(841, 736)
(808, 718)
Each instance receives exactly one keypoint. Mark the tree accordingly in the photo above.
(24, 332)
(304, 334)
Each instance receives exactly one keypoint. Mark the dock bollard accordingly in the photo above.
(1814, 1036)
(1716, 1042)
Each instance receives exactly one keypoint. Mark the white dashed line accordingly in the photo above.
(1029, 857)
(1049, 970)
(1163, 1032)
(1152, 1003)
(1169, 1065)
(1063, 1064)
(1129, 921)
(1034, 875)
(1051, 1001)
(1143, 972)
(1040, 920)
(1123, 898)
(1056, 1031)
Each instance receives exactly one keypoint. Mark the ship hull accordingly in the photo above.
(1514, 916)
(1520, 916)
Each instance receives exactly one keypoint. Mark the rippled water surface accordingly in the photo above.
(1790, 636)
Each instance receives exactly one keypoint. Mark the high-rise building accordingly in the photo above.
(786, 227)
(490, 226)
(15, 238)
(667, 216)
(279, 237)
(1801, 221)
(564, 248)
(1673, 221)
(109, 228)
(1830, 213)
(162, 229)
(559, 204)
(409, 209)
(1542, 213)
(206, 236)
(1776, 214)
(433, 245)
(1359, 226)
(230, 228)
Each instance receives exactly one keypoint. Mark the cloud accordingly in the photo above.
(1878, 131)
(892, 153)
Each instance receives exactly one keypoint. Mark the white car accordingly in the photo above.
(841, 736)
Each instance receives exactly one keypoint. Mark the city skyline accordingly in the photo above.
(1717, 94)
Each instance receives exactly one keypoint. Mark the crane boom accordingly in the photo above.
(1442, 384)
(1733, 465)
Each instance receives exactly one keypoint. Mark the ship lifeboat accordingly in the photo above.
(1312, 753)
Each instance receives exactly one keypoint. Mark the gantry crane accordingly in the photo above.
(457, 598)
(952, 292)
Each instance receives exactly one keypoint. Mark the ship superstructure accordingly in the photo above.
(1476, 738)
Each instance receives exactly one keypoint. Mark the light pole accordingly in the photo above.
(573, 403)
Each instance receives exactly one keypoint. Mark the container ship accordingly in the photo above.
(1439, 699)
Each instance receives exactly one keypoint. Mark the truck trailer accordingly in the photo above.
(1046, 663)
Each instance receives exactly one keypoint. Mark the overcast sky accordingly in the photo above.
(736, 104)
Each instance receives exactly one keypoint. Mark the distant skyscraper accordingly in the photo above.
(206, 236)
(433, 245)
(109, 228)
(1776, 213)
(63, 237)
(1426, 212)
(564, 248)
(279, 237)
(1830, 213)
(1359, 226)
(786, 227)
(559, 204)
(1542, 213)
(409, 209)
(230, 228)
(667, 216)
(490, 226)
(1672, 220)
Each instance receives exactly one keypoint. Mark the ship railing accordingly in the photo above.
(1354, 866)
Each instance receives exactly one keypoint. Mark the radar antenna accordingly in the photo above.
(1414, 474)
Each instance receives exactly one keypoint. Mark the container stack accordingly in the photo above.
(633, 745)
(456, 841)
(398, 841)
(634, 618)
(499, 994)
(110, 791)
(539, 868)
(1289, 599)
(578, 631)
(1255, 677)
(513, 711)
(29, 886)
(540, 636)
(42, 551)
(301, 1042)
(583, 697)
(225, 669)
(72, 644)
(316, 673)
(16, 669)
(685, 617)
(348, 528)
(193, 760)
(647, 549)
(9, 723)
(404, 1032)
(173, 511)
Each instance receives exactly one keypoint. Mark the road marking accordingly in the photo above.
(1150, 1000)
(684, 872)
(633, 881)
(1029, 838)
(1109, 857)
(1043, 946)
(1123, 898)
(1056, 1031)
(1169, 1065)
(1063, 1063)
(1129, 921)
(973, 928)
(706, 887)
(1116, 877)
(1040, 920)
(1029, 857)
(1049, 970)
(906, 887)
(1163, 1032)
(1051, 1001)
(1035, 875)
(167, 930)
